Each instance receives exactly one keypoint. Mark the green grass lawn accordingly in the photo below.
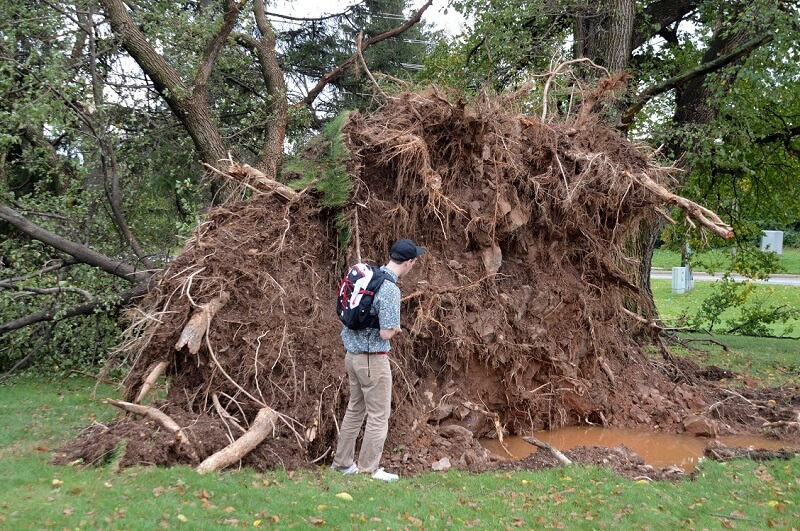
(39, 415)
(789, 260)
(773, 362)
(672, 306)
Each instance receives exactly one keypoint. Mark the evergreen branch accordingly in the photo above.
(342, 68)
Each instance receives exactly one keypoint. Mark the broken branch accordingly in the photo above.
(160, 418)
(151, 380)
(544, 446)
(192, 335)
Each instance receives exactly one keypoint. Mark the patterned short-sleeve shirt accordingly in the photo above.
(387, 307)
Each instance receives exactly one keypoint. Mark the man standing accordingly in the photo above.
(369, 372)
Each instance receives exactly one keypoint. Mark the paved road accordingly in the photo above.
(782, 280)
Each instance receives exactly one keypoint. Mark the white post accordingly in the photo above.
(772, 241)
(679, 279)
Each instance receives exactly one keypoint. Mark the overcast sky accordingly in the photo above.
(451, 22)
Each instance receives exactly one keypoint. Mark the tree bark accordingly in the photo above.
(187, 103)
(603, 33)
(657, 16)
(271, 156)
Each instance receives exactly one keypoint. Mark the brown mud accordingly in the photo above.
(525, 314)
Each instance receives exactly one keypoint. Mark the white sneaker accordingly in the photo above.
(384, 475)
(352, 469)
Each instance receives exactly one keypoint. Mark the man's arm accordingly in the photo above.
(389, 310)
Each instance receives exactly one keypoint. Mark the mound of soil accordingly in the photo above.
(525, 314)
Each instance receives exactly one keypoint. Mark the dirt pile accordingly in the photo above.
(521, 316)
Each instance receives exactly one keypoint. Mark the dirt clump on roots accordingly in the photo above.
(524, 314)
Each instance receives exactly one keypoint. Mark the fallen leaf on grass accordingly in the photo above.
(56, 483)
(413, 520)
(344, 496)
(182, 518)
(316, 521)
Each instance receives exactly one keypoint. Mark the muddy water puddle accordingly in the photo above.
(656, 449)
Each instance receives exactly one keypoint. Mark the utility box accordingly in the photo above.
(772, 241)
(680, 279)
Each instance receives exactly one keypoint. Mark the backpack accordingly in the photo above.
(356, 294)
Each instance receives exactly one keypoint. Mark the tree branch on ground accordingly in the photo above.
(80, 252)
(124, 299)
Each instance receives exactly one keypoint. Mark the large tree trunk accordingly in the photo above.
(603, 33)
(188, 103)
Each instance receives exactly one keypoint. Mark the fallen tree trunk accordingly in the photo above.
(263, 423)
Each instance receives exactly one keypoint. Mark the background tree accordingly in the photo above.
(109, 113)
(311, 50)
(706, 78)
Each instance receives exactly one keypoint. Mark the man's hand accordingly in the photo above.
(389, 333)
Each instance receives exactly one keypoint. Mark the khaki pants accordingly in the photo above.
(370, 396)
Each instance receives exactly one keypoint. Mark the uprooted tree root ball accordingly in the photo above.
(525, 313)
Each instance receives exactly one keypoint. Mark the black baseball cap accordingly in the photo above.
(404, 250)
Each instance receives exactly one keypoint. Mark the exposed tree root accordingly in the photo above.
(544, 446)
(149, 382)
(193, 333)
(706, 217)
(163, 420)
(261, 427)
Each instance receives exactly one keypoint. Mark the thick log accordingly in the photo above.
(150, 381)
(544, 446)
(195, 329)
(262, 425)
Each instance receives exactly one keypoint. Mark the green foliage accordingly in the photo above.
(314, 49)
(41, 415)
(510, 43)
(325, 173)
(754, 315)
